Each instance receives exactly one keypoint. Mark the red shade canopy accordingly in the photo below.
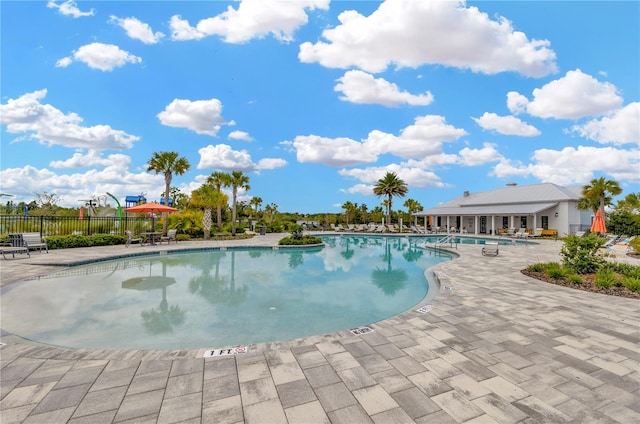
(152, 207)
(598, 224)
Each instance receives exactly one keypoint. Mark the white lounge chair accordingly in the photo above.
(132, 239)
(490, 249)
(171, 235)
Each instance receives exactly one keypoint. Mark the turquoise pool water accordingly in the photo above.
(221, 298)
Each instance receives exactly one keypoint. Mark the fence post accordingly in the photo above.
(88, 225)
(41, 225)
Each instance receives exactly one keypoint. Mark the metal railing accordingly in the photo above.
(66, 225)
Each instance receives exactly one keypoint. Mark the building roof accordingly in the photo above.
(512, 199)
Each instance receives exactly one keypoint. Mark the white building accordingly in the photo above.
(548, 206)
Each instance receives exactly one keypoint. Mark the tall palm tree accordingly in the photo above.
(237, 180)
(167, 163)
(219, 180)
(390, 185)
(349, 208)
(601, 190)
(207, 198)
(412, 206)
(256, 202)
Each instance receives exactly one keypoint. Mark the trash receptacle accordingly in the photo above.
(263, 230)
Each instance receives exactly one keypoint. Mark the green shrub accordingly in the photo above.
(575, 279)
(537, 267)
(183, 237)
(556, 271)
(75, 240)
(631, 283)
(605, 278)
(580, 253)
(304, 240)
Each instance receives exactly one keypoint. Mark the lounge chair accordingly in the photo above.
(537, 232)
(171, 235)
(522, 233)
(13, 250)
(131, 239)
(34, 241)
(379, 229)
(490, 249)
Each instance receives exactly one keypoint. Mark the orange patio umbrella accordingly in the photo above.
(151, 208)
(598, 224)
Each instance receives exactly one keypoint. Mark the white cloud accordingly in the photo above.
(475, 157)
(507, 125)
(200, 116)
(252, 19)
(137, 29)
(362, 88)
(340, 151)
(516, 102)
(412, 33)
(49, 125)
(115, 178)
(413, 176)
(423, 138)
(104, 57)
(64, 62)
(620, 127)
(69, 8)
(240, 135)
(92, 158)
(224, 158)
(576, 165)
(363, 189)
(182, 31)
(271, 163)
(573, 96)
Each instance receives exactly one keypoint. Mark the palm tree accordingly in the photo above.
(390, 185)
(237, 180)
(207, 197)
(412, 206)
(256, 202)
(601, 190)
(349, 208)
(219, 180)
(167, 163)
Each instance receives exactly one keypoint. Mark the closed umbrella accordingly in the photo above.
(598, 224)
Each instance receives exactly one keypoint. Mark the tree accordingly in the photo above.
(47, 202)
(349, 209)
(412, 206)
(219, 180)
(256, 202)
(237, 180)
(167, 163)
(631, 203)
(601, 190)
(390, 185)
(207, 198)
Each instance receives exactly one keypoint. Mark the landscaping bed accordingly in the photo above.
(588, 284)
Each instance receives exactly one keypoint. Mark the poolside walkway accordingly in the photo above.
(495, 347)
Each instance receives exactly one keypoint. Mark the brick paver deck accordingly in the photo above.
(496, 347)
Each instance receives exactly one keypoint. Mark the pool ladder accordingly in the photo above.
(449, 240)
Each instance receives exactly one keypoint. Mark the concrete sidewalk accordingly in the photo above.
(495, 347)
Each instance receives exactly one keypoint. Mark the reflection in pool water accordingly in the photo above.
(221, 298)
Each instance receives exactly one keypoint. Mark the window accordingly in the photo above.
(523, 222)
(505, 222)
(545, 222)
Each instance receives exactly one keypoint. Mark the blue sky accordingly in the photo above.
(315, 100)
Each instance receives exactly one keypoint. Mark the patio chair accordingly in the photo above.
(132, 239)
(13, 250)
(171, 235)
(490, 249)
(34, 241)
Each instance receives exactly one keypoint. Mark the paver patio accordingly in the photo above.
(496, 347)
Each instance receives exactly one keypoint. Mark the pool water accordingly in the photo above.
(220, 298)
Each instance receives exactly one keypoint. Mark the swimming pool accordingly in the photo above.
(219, 298)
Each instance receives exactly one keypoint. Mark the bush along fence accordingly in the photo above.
(69, 225)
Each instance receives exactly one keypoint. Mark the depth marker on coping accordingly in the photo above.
(225, 352)
(361, 330)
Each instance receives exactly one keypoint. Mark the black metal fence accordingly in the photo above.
(65, 225)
